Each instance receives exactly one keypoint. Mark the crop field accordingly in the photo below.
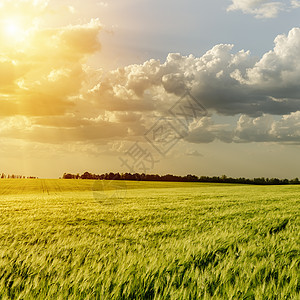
(84, 239)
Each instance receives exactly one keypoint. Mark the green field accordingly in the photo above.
(74, 239)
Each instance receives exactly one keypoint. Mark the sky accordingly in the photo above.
(179, 87)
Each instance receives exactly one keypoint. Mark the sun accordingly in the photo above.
(13, 29)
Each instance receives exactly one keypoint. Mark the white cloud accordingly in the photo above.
(262, 8)
(266, 129)
(295, 3)
(223, 81)
(278, 71)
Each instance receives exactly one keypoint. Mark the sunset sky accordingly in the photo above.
(91, 86)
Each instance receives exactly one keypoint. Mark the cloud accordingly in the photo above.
(59, 130)
(70, 43)
(262, 8)
(24, 15)
(32, 8)
(48, 94)
(247, 129)
(7, 74)
(280, 66)
(195, 153)
(295, 3)
(206, 131)
(266, 129)
(49, 70)
(82, 39)
(224, 82)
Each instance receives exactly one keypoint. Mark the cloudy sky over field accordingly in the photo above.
(202, 87)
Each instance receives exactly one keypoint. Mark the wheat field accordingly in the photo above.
(85, 239)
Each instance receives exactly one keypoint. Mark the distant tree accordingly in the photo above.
(86, 175)
(193, 178)
(170, 177)
(68, 176)
(223, 178)
(111, 176)
(274, 181)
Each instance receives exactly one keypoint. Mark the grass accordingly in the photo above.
(74, 239)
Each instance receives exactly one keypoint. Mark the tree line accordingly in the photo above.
(176, 178)
(14, 176)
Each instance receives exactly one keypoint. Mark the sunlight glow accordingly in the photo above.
(12, 28)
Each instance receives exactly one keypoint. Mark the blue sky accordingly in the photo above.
(82, 82)
(152, 29)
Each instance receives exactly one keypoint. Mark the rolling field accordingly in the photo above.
(78, 239)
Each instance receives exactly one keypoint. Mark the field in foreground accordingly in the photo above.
(77, 239)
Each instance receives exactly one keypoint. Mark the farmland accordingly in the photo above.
(82, 239)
